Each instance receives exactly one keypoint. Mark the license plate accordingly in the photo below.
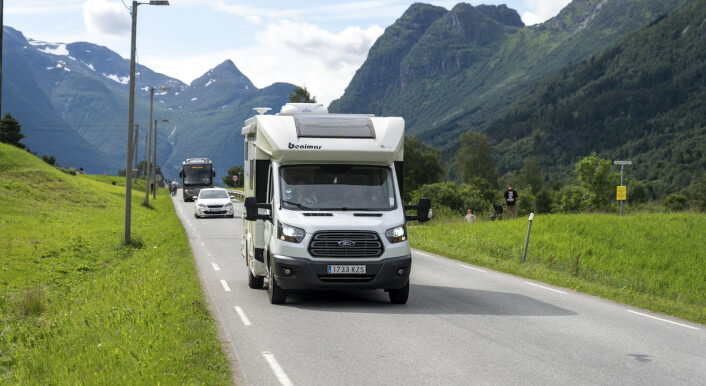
(344, 269)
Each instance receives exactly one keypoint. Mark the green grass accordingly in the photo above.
(76, 306)
(653, 261)
(117, 181)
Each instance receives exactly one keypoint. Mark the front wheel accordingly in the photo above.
(255, 282)
(399, 296)
(276, 293)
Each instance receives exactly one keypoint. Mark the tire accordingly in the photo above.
(399, 296)
(276, 294)
(255, 282)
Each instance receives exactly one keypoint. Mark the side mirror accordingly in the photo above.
(181, 174)
(213, 173)
(251, 210)
(423, 210)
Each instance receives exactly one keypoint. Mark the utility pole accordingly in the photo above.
(131, 116)
(137, 146)
(148, 175)
(130, 123)
(154, 163)
(154, 176)
(2, 30)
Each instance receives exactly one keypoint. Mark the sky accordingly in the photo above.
(318, 44)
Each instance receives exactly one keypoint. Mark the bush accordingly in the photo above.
(447, 197)
(571, 198)
(637, 192)
(675, 202)
(543, 201)
(51, 160)
(526, 202)
(697, 192)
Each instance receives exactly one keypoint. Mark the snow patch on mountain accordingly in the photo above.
(50, 48)
(116, 78)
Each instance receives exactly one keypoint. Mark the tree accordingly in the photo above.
(228, 179)
(474, 158)
(422, 165)
(10, 131)
(531, 175)
(51, 160)
(596, 177)
(301, 95)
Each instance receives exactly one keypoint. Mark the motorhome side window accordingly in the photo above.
(337, 187)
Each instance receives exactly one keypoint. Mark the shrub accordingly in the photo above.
(637, 192)
(526, 202)
(543, 201)
(675, 202)
(571, 198)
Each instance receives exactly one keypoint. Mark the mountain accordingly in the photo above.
(450, 71)
(643, 99)
(46, 131)
(84, 87)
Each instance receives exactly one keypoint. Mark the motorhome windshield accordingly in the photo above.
(198, 175)
(337, 187)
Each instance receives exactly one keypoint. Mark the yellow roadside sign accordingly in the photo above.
(621, 193)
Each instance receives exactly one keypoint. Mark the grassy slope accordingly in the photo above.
(654, 261)
(78, 307)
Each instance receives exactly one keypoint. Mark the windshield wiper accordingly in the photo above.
(298, 205)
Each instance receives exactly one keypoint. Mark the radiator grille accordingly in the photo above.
(346, 244)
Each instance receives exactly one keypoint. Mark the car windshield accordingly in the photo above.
(197, 175)
(336, 187)
(213, 194)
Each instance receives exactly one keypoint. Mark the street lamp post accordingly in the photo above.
(151, 170)
(2, 29)
(131, 117)
(154, 158)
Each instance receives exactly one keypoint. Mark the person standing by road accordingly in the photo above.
(510, 200)
(470, 217)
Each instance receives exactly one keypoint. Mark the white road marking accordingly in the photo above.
(215, 267)
(473, 268)
(203, 245)
(225, 285)
(277, 369)
(663, 320)
(547, 288)
(422, 253)
(242, 315)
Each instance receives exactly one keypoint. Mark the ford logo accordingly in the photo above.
(346, 243)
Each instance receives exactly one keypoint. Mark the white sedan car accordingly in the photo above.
(213, 202)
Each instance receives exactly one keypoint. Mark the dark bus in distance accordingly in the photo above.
(196, 174)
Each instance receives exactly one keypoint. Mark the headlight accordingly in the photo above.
(202, 206)
(228, 205)
(289, 233)
(396, 234)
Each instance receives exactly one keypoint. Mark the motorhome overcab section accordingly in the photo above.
(323, 204)
(196, 174)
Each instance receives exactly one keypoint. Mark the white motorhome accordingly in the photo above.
(323, 203)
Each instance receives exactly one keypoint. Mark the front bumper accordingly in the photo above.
(308, 274)
(214, 212)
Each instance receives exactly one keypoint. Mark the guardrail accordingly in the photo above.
(237, 194)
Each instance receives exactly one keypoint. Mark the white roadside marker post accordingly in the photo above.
(524, 255)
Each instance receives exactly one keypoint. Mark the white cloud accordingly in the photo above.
(298, 53)
(539, 11)
(106, 18)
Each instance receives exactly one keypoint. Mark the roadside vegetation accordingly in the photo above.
(77, 306)
(650, 260)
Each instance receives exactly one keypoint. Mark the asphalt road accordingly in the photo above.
(462, 325)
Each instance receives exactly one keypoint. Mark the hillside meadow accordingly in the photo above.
(653, 261)
(77, 306)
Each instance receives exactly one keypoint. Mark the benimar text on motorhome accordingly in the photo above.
(323, 205)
